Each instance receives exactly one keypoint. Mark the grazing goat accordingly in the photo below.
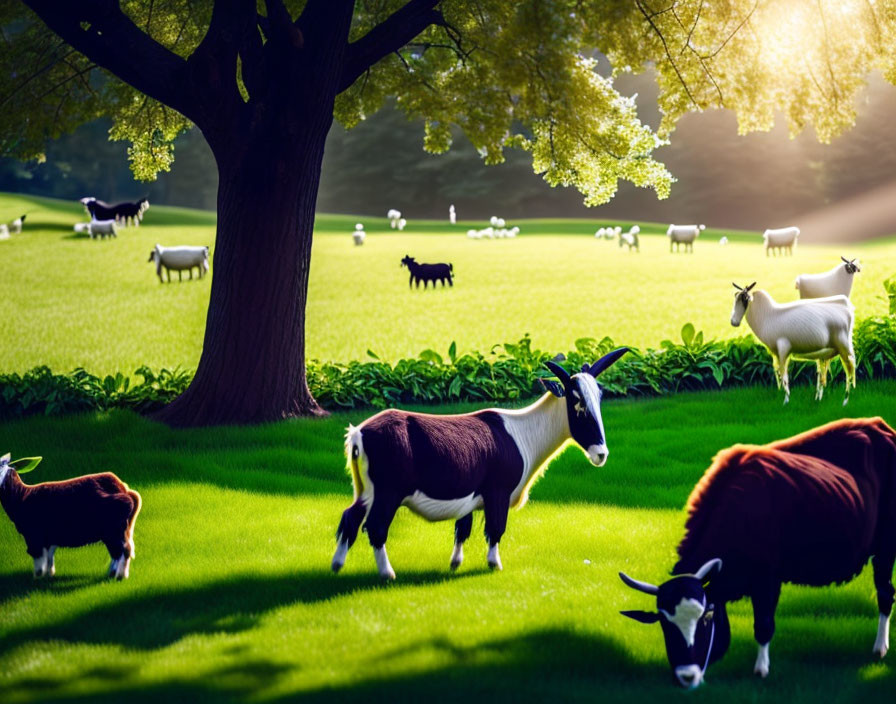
(452, 215)
(780, 240)
(97, 508)
(811, 510)
(683, 235)
(15, 227)
(837, 281)
(428, 272)
(816, 329)
(723, 241)
(631, 239)
(127, 213)
(394, 217)
(179, 259)
(446, 467)
(359, 235)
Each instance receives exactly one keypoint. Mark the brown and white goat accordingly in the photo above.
(96, 508)
(446, 467)
(811, 510)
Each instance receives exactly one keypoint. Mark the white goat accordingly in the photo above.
(102, 228)
(4, 232)
(631, 239)
(816, 329)
(359, 235)
(599, 233)
(401, 223)
(179, 259)
(394, 216)
(452, 214)
(683, 235)
(781, 239)
(723, 241)
(837, 281)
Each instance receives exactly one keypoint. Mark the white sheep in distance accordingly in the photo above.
(452, 214)
(780, 239)
(401, 224)
(513, 231)
(683, 235)
(837, 281)
(4, 232)
(631, 239)
(179, 259)
(599, 233)
(359, 235)
(394, 216)
(817, 329)
(102, 229)
(723, 241)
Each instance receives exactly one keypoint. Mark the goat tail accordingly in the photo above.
(354, 451)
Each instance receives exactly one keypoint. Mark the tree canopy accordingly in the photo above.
(509, 74)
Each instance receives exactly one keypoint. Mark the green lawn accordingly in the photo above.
(231, 598)
(69, 301)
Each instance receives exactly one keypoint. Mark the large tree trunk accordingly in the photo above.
(252, 367)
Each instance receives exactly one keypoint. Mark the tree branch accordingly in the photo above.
(104, 34)
(388, 36)
(215, 57)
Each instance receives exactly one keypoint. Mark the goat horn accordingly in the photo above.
(736, 286)
(844, 259)
(750, 286)
(714, 564)
(645, 587)
(559, 372)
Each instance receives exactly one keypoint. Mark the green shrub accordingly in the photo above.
(508, 372)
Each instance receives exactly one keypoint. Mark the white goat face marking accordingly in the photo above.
(740, 308)
(589, 394)
(686, 615)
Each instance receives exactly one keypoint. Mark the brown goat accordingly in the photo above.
(97, 508)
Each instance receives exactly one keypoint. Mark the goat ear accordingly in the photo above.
(559, 372)
(607, 361)
(642, 616)
(711, 568)
(5, 459)
(25, 464)
(553, 387)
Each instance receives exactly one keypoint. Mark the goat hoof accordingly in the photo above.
(497, 566)
(336, 566)
(881, 652)
(761, 671)
(454, 565)
(388, 576)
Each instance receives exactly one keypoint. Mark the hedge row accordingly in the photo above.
(508, 372)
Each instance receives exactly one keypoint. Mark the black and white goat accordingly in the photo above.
(96, 508)
(127, 213)
(446, 467)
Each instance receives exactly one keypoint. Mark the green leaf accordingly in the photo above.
(371, 354)
(687, 334)
(452, 352)
(25, 464)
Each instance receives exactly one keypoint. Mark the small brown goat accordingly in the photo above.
(97, 508)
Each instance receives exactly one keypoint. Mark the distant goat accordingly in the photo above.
(4, 231)
(428, 272)
(683, 235)
(100, 228)
(179, 259)
(97, 508)
(126, 213)
(837, 281)
(15, 227)
(394, 217)
(780, 240)
(631, 239)
(359, 235)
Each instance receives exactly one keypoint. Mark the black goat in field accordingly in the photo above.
(127, 213)
(428, 272)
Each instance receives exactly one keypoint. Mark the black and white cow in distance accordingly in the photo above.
(446, 467)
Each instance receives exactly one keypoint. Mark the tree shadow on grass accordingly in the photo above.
(152, 619)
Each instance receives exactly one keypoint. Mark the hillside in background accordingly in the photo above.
(725, 180)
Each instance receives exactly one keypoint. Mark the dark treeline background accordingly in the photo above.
(754, 181)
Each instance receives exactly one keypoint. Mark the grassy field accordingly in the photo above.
(69, 301)
(231, 598)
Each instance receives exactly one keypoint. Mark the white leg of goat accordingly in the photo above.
(340, 555)
(494, 559)
(40, 564)
(51, 561)
(762, 662)
(882, 642)
(457, 556)
(783, 354)
(382, 563)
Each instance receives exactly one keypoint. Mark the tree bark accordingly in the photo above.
(252, 368)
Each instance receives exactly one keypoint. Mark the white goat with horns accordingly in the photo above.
(837, 281)
(817, 329)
